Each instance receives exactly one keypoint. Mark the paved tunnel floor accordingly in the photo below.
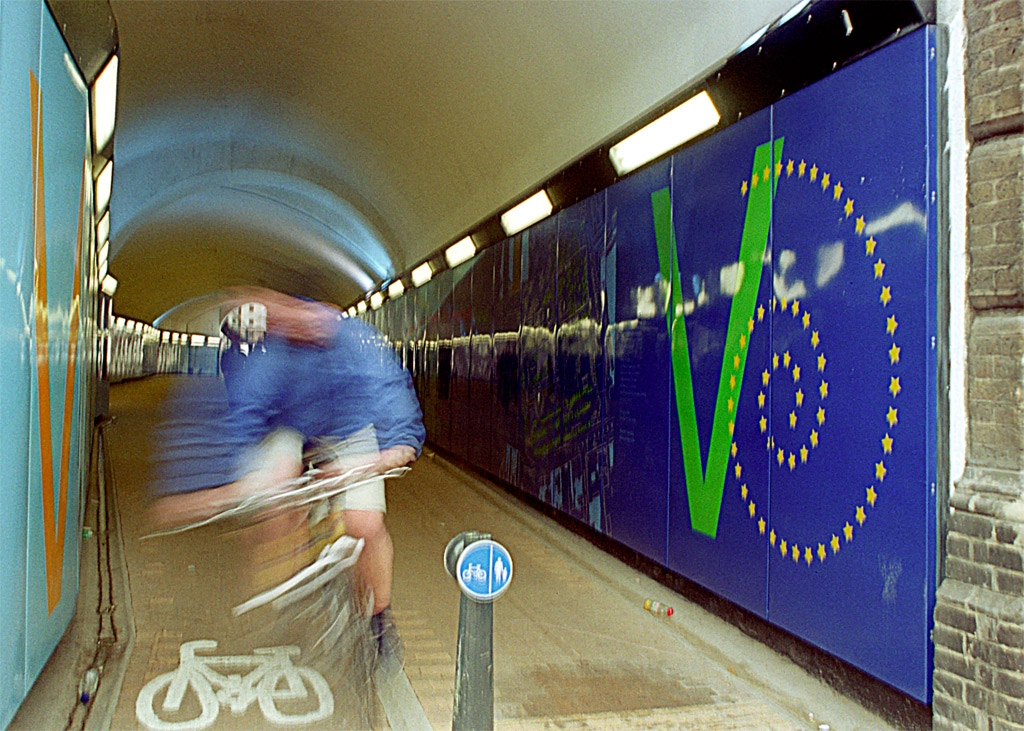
(573, 647)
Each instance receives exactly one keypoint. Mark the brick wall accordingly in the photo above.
(979, 614)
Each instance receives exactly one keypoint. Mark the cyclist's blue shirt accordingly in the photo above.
(329, 391)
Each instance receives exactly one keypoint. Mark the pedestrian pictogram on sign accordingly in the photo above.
(484, 570)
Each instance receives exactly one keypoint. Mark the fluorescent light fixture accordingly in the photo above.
(213, 340)
(396, 289)
(102, 273)
(104, 254)
(462, 250)
(197, 340)
(694, 116)
(104, 105)
(754, 37)
(794, 11)
(352, 312)
(376, 300)
(422, 274)
(103, 227)
(361, 307)
(535, 208)
(165, 336)
(103, 183)
(108, 285)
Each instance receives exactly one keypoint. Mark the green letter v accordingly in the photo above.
(704, 490)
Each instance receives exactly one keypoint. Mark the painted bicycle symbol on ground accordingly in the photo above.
(272, 680)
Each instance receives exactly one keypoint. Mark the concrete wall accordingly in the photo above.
(979, 616)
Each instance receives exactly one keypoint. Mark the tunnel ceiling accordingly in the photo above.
(323, 147)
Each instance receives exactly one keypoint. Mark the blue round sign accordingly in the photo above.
(484, 570)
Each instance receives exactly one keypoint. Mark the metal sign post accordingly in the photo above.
(483, 570)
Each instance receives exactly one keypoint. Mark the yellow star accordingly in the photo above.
(792, 420)
(892, 417)
(771, 537)
(887, 444)
(761, 526)
(802, 167)
(792, 461)
(773, 304)
(789, 168)
(765, 376)
(796, 553)
(880, 471)
(814, 438)
(837, 191)
(753, 509)
(891, 325)
(861, 517)
(781, 457)
(760, 400)
(767, 172)
(760, 313)
(848, 207)
(743, 188)
(879, 268)
(764, 425)
(732, 427)
(743, 341)
(835, 543)
(803, 454)
(821, 416)
(733, 449)
(743, 490)
(808, 556)
(775, 361)
(739, 470)
(894, 386)
(784, 304)
(782, 547)
(750, 325)
(785, 359)
(778, 168)
(800, 397)
(872, 496)
(732, 381)
(731, 404)
(885, 297)
(815, 339)
(860, 225)
(894, 354)
(814, 172)
(821, 552)
(823, 389)
(822, 360)
(807, 320)
(771, 441)
(824, 181)
(754, 181)
(870, 246)
(796, 373)
(736, 361)
(796, 307)
(848, 531)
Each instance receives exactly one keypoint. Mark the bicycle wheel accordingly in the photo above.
(268, 694)
(179, 720)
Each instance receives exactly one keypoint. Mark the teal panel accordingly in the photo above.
(19, 52)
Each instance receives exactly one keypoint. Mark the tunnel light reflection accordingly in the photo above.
(361, 307)
(459, 252)
(109, 285)
(396, 289)
(103, 227)
(104, 105)
(535, 208)
(691, 118)
(376, 300)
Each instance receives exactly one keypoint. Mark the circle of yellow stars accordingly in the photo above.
(830, 547)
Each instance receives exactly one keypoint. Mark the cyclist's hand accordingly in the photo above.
(393, 457)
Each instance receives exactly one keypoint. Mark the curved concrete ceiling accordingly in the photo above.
(321, 147)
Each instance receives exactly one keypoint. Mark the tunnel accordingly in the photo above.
(705, 319)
